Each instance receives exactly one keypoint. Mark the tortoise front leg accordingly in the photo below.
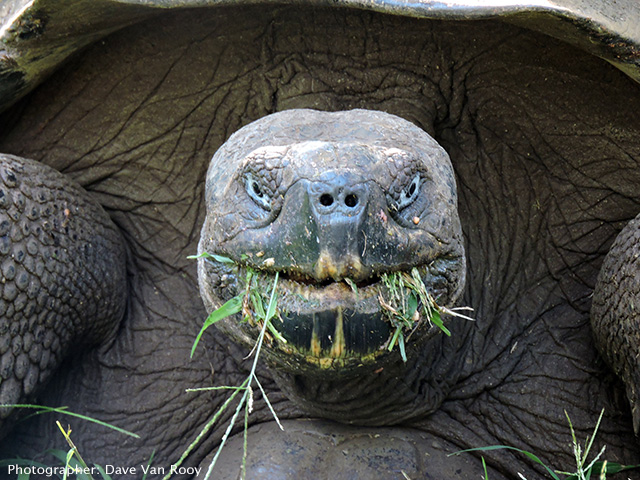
(615, 312)
(62, 275)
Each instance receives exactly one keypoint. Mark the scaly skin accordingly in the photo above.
(63, 285)
(615, 312)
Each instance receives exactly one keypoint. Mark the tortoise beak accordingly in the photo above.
(330, 266)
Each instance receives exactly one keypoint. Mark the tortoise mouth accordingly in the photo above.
(332, 320)
(340, 323)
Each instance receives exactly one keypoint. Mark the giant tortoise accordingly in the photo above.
(485, 154)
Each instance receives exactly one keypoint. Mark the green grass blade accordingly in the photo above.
(227, 432)
(577, 453)
(63, 410)
(243, 470)
(276, 334)
(394, 339)
(593, 462)
(412, 305)
(258, 307)
(352, 284)
(437, 321)
(212, 256)
(231, 307)
(153, 454)
(266, 400)
(65, 458)
(403, 354)
(506, 447)
(593, 436)
(611, 467)
(271, 309)
(207, 389)
(208, 426)
(235, 305)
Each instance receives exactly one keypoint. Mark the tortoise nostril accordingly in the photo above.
(326, 199)
(351, 200)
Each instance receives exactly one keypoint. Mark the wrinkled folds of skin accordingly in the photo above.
(543, 139)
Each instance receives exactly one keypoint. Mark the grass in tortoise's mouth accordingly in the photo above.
(333, 322)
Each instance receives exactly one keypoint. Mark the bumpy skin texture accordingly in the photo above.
(544, 143)
(615, 314)
(63, 286)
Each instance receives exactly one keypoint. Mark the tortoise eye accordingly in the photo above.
(410, 192)
(257, 192)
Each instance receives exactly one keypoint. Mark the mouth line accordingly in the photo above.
(308, 281)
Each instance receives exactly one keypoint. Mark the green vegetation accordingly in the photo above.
(584, 470)
(406, 292)
(251, 303)
(71, 462)
(63, 410)
(406, 302)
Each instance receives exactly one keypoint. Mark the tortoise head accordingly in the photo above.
(356, 213)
